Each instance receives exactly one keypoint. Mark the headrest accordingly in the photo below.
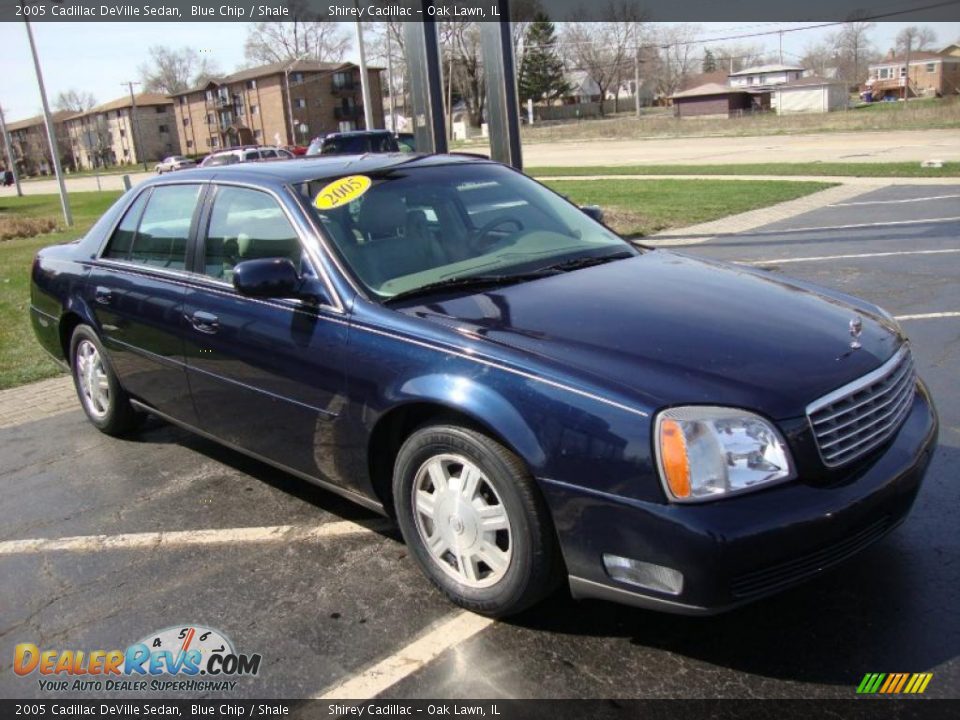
(381, 214)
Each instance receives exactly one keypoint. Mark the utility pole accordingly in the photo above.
(137, 136)
(364, 81)
(906, 73)
(12, 162)
(450, 97)
(781, 47)
(51, 131)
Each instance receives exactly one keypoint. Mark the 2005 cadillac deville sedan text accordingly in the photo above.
(533, 398)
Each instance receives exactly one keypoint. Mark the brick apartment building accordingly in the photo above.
(931, 74)
(29, 146)
(253, 106)
(108, 133)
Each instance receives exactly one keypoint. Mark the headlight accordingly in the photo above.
(706, 453)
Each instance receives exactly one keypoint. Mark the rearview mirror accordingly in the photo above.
(593, 211)
(267, 278)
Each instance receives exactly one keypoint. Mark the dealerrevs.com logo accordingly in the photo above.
(188, 658)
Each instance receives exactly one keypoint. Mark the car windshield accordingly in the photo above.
(405, 228)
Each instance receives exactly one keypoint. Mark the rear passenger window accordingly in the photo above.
(119, 247)
(247, 225)
(161, 238)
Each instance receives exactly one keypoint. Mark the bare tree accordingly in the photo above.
(853, 50)
(915, 38)
(170, 71)
(463, 45)
(819, 58)
(676, 58)
(74, 100)
(737, 57)
(275, 42)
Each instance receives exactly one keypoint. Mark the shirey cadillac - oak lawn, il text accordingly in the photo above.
(535, 400)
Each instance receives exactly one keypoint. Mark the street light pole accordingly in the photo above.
(137, 135)
(51, 133)
(364, 81)
(9, 146)
(286, 81)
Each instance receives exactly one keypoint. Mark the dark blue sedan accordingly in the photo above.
(535, 400)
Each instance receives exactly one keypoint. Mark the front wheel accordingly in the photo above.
(104, 401)
(474, 520)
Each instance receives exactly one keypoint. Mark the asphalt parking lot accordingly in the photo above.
(326, 593)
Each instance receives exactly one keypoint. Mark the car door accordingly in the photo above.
(266, 374)
(136, 291)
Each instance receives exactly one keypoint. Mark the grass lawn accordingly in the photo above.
(21, 359)
(891, 169)
(633, 207)
(644, 207)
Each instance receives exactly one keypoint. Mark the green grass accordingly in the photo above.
(21, 359)
(644, 207)
(891, 169)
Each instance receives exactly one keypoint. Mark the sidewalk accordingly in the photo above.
(37, 400)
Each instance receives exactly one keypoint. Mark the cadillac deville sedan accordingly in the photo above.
(535, 400)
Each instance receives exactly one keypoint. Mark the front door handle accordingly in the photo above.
(103, 295)
(204, 322)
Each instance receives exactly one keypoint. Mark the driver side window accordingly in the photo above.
(247, 224)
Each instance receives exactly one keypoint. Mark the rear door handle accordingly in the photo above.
(103, 295)
(204, 322)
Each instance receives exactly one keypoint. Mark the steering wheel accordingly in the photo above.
(477, 240)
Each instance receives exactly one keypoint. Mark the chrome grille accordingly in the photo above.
(858, 417)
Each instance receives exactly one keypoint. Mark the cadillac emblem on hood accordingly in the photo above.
(856, 327)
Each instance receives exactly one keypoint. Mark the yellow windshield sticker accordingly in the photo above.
(342, 191)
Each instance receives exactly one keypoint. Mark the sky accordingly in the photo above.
(101, 57)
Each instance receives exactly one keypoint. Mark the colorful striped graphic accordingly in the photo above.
(894, 683)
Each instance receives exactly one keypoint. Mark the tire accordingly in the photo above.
(107, 407)
(497, 571)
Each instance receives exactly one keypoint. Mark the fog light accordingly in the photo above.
(644, 574)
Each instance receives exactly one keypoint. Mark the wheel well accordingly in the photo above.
(396, 426)
(68, 323)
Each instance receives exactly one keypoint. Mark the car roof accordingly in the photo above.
(357, 133)
(303, 169)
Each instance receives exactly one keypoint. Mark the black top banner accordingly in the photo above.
(474, 10)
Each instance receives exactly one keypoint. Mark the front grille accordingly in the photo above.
(851, 421)
(782, 575)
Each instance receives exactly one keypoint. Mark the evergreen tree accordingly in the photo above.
(709, 61)
(541, 69)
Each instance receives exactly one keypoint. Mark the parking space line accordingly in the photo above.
(852, 226)
(820, 258)
(378, 677)
(182, 538)
(895, 202)
(928, 316)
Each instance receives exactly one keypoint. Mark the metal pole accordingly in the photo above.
(393, 116)
(291, 138)
(137, 135)
(906, 75)
(422, 47)
(51, 132)
(364, 81)
(636, 68)
(10, 158)
(503, 112)
(450, 98)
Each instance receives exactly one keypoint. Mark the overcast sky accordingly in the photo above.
(100, 57)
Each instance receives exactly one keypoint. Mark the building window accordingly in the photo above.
(123, 132)
(342, 80)
(210, 119)
(254, 109)
(251, 84)
(209, 95)
(903, 71)
(162, 128)
(258, 135)
(161, 109)
(299, 103)
(189, 143)
(931, 67)
(183, 99)
(119, 114)
(296, 77)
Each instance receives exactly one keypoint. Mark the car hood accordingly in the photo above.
(669, 329)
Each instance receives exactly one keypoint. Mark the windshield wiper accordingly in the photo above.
(588, 261)
(470, 282)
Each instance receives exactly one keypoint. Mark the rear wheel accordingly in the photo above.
(474, 520)
(104, 401)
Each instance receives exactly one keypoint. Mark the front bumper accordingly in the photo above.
(738, 550)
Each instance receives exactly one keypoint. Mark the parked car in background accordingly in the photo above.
(407, 142)
(174, 162)
(245, 153)
(536, 400)
(297, 150)
(356, 142)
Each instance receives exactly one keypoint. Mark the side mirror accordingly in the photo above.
(267, 278)
(593, 211)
